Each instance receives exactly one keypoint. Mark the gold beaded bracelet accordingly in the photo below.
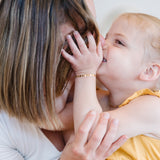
(86, 75)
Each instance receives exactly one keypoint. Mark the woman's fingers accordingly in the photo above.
(82, 134)
(109, 137)
(100, 145)
(115, 145)
(99, 132)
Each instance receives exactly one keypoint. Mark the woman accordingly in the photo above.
(35, 80)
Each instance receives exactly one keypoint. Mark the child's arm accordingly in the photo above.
(85, 62)
(141, 116)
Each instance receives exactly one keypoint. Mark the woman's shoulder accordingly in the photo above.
(13, 136)
(16, 133)
(24, 138)
(13, 129)
(7, 122)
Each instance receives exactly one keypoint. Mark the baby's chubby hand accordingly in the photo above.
(85, 60)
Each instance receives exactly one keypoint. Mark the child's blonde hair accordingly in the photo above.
(150, 26)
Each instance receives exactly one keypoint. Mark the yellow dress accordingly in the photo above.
(140, 147)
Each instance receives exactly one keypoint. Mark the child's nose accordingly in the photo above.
(108, 42)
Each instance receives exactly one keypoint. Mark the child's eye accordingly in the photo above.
(119, 42)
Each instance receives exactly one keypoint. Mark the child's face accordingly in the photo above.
(124, 51)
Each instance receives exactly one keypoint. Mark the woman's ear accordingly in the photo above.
(150, 73)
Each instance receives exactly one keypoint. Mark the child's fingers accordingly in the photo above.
(92, 43)
(99, 50)
(73, 46)
(67, 56)
(81, 44)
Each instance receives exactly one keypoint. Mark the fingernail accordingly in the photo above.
(104, 118)
(68, 36)
(75, 32)
(115, 121)
(93, 113)
(106, 115)
(125, 137)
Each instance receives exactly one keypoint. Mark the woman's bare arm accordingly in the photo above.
(141, 116)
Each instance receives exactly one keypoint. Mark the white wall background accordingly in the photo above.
(108, 10)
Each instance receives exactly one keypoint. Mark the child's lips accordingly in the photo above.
(104, 60)
(104, 55)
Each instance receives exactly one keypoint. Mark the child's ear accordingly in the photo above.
(150, 73)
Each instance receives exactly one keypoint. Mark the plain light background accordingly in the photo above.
(108, 10)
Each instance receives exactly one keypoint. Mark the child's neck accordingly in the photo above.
(118, 96)
(120, 90)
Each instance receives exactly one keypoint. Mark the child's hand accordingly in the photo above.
(85, 60)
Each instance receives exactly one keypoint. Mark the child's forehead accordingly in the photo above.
(126, 26)
(137, 22)
(142, 22)
(139, 25)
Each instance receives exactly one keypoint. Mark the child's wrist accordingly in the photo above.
(85, 75)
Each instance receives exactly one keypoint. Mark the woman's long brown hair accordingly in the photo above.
(31, 68)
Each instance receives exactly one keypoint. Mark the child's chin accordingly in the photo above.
(99, 74)
(100, 71)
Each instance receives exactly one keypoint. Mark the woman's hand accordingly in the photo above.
(101, 143)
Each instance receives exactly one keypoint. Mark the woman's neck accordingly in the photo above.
(55, 137)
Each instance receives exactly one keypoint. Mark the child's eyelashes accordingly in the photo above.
(119, 42)
(115, 41)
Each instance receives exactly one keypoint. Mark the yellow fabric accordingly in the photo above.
(140, 147)
(141, 93)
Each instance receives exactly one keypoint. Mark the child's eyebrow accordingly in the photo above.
(117, 35)
(121, 35)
